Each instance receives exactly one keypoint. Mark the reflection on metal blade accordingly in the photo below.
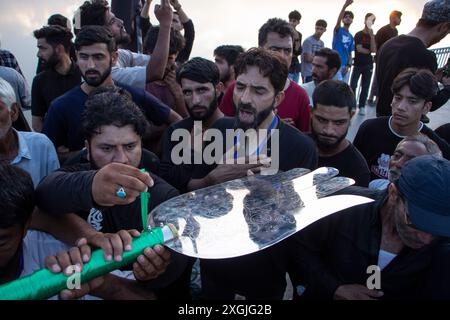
(249, 214)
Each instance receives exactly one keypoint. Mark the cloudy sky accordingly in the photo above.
(217, 22)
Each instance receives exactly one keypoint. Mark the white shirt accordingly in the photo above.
(309, 88)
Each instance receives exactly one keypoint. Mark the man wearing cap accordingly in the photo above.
(396, 247)
(411, 51)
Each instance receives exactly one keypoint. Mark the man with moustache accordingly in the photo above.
(59, 75)
(199, 81)
(276, 35)
(83, 200)
(407, 149)
(394, 248)
(225, 56)
(376, 139)
(334, 105)
(325, 65)
(132, 68)
(96, 54)
(261, 77)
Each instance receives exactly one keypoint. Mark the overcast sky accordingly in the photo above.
(217, 22)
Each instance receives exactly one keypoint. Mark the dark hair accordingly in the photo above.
(17, 199)
(348, 13)
(199, 70)
(332, 56)
(395, 13)
(334, 93)
(90, 35)
(321, 23)
(421, 82)
(177, 41)
(55, 35)
(368, 15)
(295, 15)
(229, 53)
(280, 26)
(93, 13)
(269, 64)
(57, 20)
(110, 105)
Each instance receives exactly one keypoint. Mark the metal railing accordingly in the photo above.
(442, 56)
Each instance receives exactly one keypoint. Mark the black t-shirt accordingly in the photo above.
(296, 150)
(49, 85)
(260, 275)
(444, 132)
(350, 163)
(177, 175)
(384, 34)
(362, 59)
(295, 62)
(396, 55)
(114, 219)
(377, 143)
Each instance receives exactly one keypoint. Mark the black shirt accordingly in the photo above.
(49, 85)
(362, 59)
(68, 190)
(296, 150)
(350, 163)
(396, 55)
(384, 34)
(338, 249)
(444, 132)
(177, 175)
(260, 275)
(377, 143)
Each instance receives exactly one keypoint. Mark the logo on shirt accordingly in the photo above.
(382, 169)
(95, 219)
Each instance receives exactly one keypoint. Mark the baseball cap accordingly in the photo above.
(425, 183)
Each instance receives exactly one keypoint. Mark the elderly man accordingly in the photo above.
(398, 245)
(407, 149)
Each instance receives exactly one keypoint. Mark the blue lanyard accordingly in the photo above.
(272, 126)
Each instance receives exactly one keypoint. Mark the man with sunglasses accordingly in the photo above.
(396, 247)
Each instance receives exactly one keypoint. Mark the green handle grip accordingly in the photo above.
(44, 284)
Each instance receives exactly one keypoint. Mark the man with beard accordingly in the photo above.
(261, 77)
(132, 68)
(84, 200)
(376, 139)
(96, 54)
(277, 35)
(333, 108)
(24, 251)
(394, 248)
(325, 65)
(31, 151)
(225, 57)
(199, 80)
(407, 149)
(59, 75)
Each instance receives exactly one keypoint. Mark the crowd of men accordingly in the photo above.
(101, 112)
